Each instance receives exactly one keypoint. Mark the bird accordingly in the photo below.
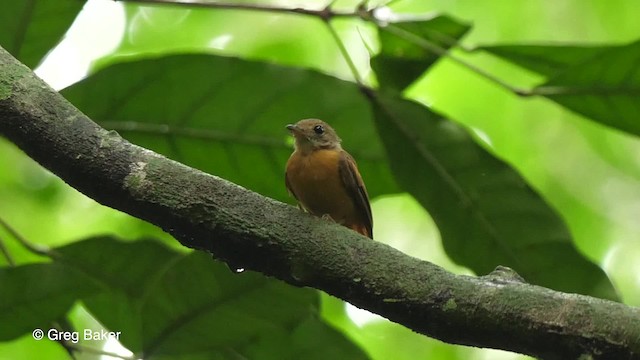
(324, 178)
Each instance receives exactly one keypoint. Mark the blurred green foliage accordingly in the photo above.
(214, 113)
(223, 315)
(30, 29)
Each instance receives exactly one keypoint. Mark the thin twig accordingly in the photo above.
(429, 46)
(345, 53)
(361, 12)
(325, 13)
(34, 248)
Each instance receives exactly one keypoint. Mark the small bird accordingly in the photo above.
(324, 178)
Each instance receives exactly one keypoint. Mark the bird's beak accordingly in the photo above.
(293, 128)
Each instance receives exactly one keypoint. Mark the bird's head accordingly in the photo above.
(314, 134)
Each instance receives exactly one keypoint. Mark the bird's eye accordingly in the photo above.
(319, 129)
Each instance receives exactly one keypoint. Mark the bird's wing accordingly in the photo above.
(355, 188)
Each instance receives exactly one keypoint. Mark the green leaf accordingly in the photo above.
(485, 211)
(221, 310)
(105, 259)
(30, 29)
(599, 82)
(401, 62)
(308, 340)
(605, 88)
(547, 60)
(227, 116)
(109, 262)
(35, 295)
(189, 306)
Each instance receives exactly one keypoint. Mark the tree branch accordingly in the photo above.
(253, 232)
(438, 50)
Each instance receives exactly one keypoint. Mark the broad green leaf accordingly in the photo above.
(400, 62)
(105, 259)
(188, 306)
(547, 60)
(30, 29)
(311, 339)
(35, 295)
(222, 309)
(605, 88)
(227, 116)
(109, 262)
(486, 213)
(599, 82)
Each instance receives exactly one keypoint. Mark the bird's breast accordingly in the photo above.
(315, 180)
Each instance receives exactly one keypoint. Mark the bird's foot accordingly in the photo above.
(328, 217)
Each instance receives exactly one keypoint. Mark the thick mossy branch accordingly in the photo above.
(253, 232)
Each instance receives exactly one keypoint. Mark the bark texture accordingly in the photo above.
(253, 232)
